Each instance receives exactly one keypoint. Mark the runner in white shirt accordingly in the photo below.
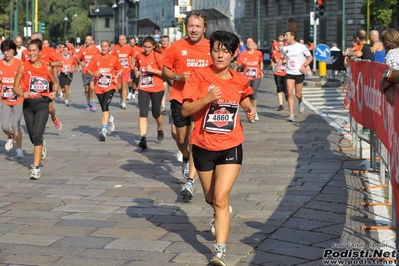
(298, 59)
(18, 41)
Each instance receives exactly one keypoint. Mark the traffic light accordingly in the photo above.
(42, 27)
(180, 24)
(311, 31)
(319, 9)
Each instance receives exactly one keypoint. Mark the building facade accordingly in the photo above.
(102, 23)
(261, 19)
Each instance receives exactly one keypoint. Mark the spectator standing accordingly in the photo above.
(378, 47)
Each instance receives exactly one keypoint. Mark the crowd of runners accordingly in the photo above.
(205, 95)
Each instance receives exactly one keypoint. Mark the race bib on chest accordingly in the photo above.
(251, 72)
(220, 118)
(66, 69)
(87, 62)
(38, 85)
(147, 81)
(9, 94)
(104, 80)
(124, 62)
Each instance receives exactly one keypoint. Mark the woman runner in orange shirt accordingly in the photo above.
(106, 70)
(32, 82)
(251, 63)
(11, 109)
(213, 95)
(151, 87)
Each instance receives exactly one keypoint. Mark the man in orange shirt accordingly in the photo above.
(84, 56)
(185, 55)
(134, 76)
(125, 54)
(165, 45)
(70, 46)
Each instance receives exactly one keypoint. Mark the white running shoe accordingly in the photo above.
(291, 118)
(123, 105)
(219, 259)
(129, 96)
(256, 117)
(179, 156)
(188, 191)
(66, 103)
(10, 143)
(111, 124)
(20, 153)
(103, 134)
(301, 107)
(35, 172)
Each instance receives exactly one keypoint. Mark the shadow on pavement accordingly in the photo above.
(315, 206)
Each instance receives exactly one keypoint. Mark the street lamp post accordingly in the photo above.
(136, 10)
(74, 29)
(95, 24)
(65, 22)
(114, 6)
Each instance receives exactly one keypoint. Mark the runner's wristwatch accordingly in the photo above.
(387, 74)
(176, 77)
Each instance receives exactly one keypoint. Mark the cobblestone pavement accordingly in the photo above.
(109, 203)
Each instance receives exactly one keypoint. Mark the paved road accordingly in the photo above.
(109, 203)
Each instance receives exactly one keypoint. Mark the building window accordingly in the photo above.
(106, 23)
(292, 3)
(307, 6)
(279, 7)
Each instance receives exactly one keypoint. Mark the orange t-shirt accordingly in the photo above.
(47, 55)
(136, 51)
(252, 67)
(36, 81)
(274, 46)
(166, 50)
(7, 77)
(217, 126)
(67, 64)
(148, 81)
(71, 49)
(183, 56)
(125, 54)
(108, 66)
(85, 54)
(311, 46)
(25, 55)
(282, 70)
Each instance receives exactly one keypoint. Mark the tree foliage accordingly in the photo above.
(382, 12)
(53, 14)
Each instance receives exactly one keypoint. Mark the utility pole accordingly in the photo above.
(315, 34)
(343, 24)
(258, 33)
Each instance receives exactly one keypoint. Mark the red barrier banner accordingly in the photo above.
(369, 108)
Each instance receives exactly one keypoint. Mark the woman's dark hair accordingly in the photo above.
(157, 47)
(38, 43)
(8, 45)
(227, 39)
